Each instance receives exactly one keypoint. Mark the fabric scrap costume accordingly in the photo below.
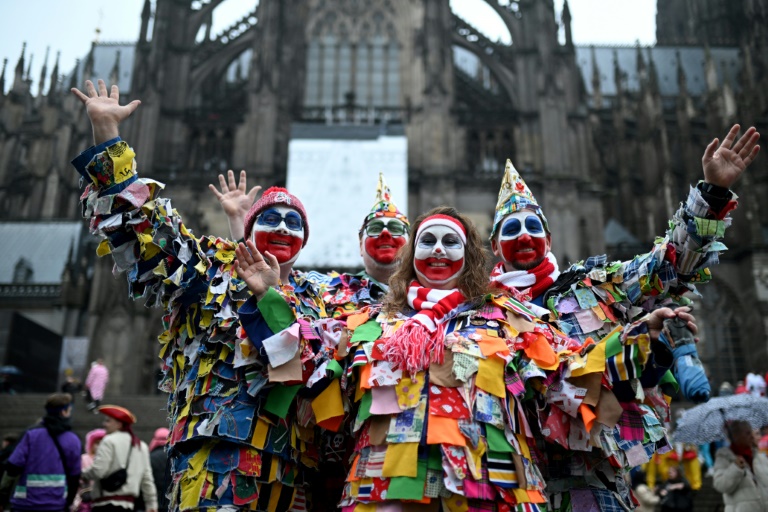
(447, 395)
(232, 446)
(621, 409)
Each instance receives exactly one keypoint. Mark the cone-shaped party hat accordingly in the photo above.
(384, 206)
(514, 196)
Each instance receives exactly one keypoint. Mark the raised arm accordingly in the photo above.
(693, 241)
(104, 110)
(235, 201)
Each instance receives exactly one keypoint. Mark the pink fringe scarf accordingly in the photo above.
(419, 342)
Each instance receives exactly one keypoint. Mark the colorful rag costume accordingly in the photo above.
(462, 429)
(231, 443)
(592, 299)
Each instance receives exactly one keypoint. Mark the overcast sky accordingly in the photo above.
(70, 26)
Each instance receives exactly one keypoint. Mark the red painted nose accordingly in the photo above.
(438, 250)
(525, 237)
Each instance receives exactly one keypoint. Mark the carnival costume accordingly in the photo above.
(448, 394)
(593, 300)
(231, 445)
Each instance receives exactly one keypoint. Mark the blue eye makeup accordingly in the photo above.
(272, 218)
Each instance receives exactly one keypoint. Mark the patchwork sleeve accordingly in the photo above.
(684, 256)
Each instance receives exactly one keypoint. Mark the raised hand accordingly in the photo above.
(235, 201)
(724, 163)
(656, 320)
(104, 109)
(258, 272)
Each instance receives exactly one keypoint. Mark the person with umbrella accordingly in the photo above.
(741, 471)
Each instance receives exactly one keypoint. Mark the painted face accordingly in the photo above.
(382, 239)
(439, 256)
(279, 230)
(523, 240)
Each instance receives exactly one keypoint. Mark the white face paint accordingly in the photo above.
(439, 256)
(277, 219)
(518, 224)
(279, 230)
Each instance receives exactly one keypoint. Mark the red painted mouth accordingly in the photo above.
(524, 250)
(282, 247)
(438, 269)
(383, 248)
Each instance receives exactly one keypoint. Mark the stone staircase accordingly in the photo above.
(19, 412)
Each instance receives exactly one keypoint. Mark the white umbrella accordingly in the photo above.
(705, 423)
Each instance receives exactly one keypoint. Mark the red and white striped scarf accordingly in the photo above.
(527, 284)
(419, 341)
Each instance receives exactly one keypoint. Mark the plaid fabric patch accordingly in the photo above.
(607, 501)
(631, 422)
(479, 489)
(595, 261)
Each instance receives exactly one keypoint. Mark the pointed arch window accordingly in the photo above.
(358, 63)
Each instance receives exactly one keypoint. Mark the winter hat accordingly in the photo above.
(159, 439)
(92, 437)
(121, 414)
(515, 196)
(384, 206)
(275, 196)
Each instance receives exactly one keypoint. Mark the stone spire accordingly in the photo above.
(710, 70)
(642, 70)
(19, 75)
(28, 74)
(566, 19)
(43, 72)
(54, 76)
(74, 77)
(597, 93)
(88, 66)
(653, 76)
(146, 14)
(114, 75)
(2, 78)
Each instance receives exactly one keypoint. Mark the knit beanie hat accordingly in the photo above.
(276, 196)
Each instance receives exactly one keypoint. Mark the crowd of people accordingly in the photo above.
(47, 469)
(426, 381)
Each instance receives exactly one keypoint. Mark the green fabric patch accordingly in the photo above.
(369, 331)
(276, 312)
(280, 398)
(409, 488)
(497, 441)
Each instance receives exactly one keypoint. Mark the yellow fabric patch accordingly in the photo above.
(401, 460)
(490, 376)
(595, 362)
(328, 404)
(409, 391)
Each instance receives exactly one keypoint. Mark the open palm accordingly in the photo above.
(104, 110)
(724, 165)
(258, 272)
(233, 198)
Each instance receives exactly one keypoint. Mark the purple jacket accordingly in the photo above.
(42, 484)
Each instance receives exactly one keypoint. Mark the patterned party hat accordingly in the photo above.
(514, 196)
(384, 206)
